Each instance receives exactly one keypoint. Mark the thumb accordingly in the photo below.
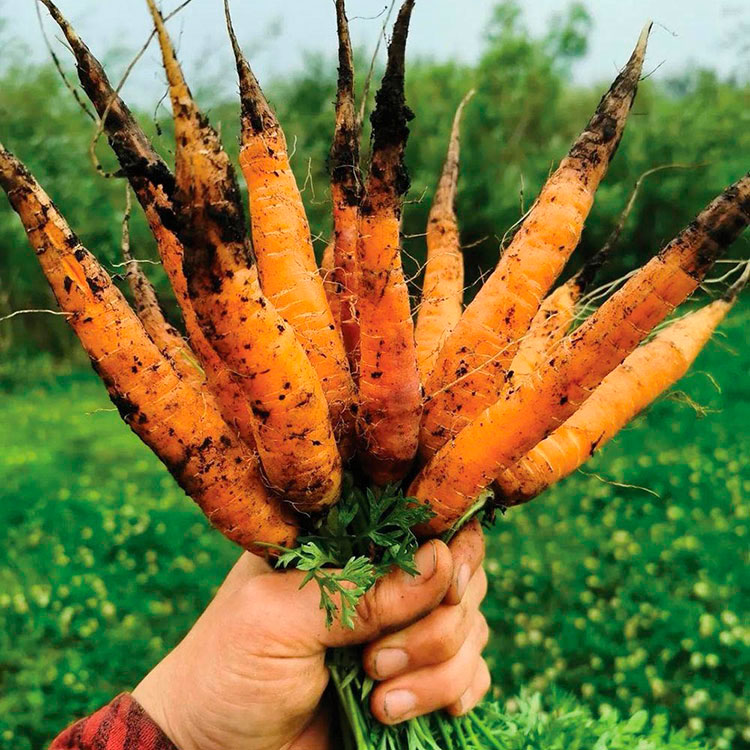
(395, 601)
(398, 599)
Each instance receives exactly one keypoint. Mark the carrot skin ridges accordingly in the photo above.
(528, 411)
(167, 338)
(558, 309)
(155, 187)
(645, 374)
(283, 245)
(205, 179)
(549, 325)
(292, 429)
(389, 387)
(346, 195)
(443, 286)
(327, 263)
(473, 361)
(183, 428)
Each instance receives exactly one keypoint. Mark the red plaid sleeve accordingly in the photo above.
(120, 725)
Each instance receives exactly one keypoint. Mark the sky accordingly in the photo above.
(277, 34)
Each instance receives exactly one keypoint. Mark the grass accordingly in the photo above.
(627, 600)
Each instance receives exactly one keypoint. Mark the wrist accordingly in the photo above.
(155, 695)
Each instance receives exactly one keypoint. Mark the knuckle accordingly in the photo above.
(482, 584)
(485, 680)
(484, 632)
(368, 611)
(446, 644)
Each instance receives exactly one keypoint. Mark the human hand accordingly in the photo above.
(251, 672)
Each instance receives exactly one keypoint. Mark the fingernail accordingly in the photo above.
(463, 703)
(398, 703)
(462, 580)
(389, 661)
(426, 562)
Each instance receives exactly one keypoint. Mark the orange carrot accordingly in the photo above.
(549, 325)
(471, 367)
(292, 429)
(205, 179)
(327, 263)
(527, 412)
(389, 387)
(443, 286)
(184, 430)
(283, 246)
(625, 392)
(155, 188)
(346, 195)
(558, 310)
(166, 337)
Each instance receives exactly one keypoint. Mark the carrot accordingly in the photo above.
(205, 180)
(527, 412)
(155, 188)
(346, 195)
(470, 370)
(625, 392)
(389, 388)
(443, 286)
(548, 326)
(283, 246)
(166, 337)
(327, 263)
(185, 430)
(292, 430)
(558, 310)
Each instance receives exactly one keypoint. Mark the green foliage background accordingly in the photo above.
(628, 600)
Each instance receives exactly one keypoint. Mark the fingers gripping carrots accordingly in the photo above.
(645, 374)
(443, 285)
(473, 361)
(184, 430)
(389, 387)
(527, 412)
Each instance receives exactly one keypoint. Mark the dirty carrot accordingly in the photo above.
(389, 387)
(292, 429)
(331, 287)
(645, 374)
(443, 286)
(283, 245)
(472, 364)
(528, 411)
(346, 194)
(155, 187)
(185, 430)
(548, 326)
(166, 337)
(558, 309)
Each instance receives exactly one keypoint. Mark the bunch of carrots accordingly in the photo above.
(288, 374)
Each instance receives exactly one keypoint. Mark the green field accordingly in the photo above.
(627, 598)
